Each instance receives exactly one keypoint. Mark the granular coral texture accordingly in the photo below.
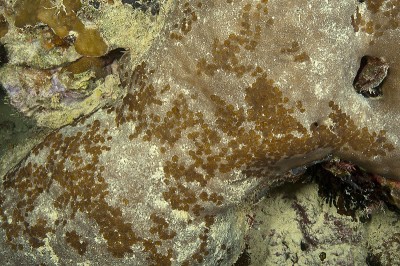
(221, 106)
(293, 225)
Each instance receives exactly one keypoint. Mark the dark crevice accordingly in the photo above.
(3, 55)
(349, 188)
(244, 258)
(145, 5)
(371, 76)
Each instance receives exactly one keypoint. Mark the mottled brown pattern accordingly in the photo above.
(153, 178)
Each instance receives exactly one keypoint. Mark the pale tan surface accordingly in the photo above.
(221, 107)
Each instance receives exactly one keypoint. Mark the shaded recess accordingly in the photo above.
(350, 189)
(371, 76)
(14, 128)
(244, 258)
(152, 5)
(3, 55)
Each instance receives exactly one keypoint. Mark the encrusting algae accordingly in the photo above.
(61, 17)
(229, 98)
(59, 70)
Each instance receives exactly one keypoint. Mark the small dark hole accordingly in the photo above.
(322, 256)
(244, 259)
(95, 4)
(314, 126)
(113, 55)
(304, 246)
(373, 259)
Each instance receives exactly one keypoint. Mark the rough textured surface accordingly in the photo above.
(63, 54)
(231, 96)
(311, 232)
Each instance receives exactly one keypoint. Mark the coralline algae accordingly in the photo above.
(229, 98)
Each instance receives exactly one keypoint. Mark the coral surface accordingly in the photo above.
(228, 100)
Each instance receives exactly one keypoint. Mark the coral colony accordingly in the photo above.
(226, 100)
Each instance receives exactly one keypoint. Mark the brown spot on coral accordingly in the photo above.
(85, 189)
(184, 26)
(225, 53)
(295, 51)
(75, 241)
(37, 233)
(295, 47)
(161, 227)
(374, 5)
(384, 17)
(356, 20)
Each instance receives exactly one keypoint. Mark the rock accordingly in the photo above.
(294, 225)
(229, 98)
(61, 55)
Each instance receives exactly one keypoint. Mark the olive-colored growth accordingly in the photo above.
(26, 12)
(61, 17)
(374, 5)
(3, 26)
(86, 39)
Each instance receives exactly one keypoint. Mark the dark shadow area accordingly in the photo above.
(14, 127)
